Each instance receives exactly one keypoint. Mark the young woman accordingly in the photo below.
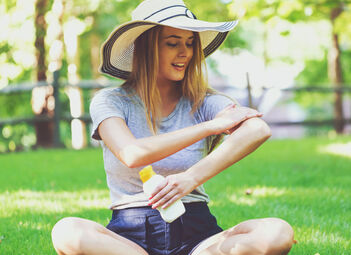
(166, 115)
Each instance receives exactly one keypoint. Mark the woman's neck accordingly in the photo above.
(170, 94)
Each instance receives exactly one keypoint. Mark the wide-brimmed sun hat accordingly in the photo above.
(117, 50)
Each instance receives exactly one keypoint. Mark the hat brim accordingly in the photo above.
(117, 50)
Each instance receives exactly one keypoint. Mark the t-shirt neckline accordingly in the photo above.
(171, 115)
(174, 112)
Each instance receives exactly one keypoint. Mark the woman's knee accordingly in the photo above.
(67, 235)
(280, 236)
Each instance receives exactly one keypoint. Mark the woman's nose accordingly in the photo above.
(183, 50)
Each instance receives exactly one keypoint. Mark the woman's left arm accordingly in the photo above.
(244, 140)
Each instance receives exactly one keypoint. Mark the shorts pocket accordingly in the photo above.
(132, 228)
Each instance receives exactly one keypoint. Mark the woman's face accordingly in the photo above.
(175, 52)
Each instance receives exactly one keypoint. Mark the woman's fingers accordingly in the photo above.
(236, 125)
(163, 196)
(166, 200)
(178, 185)
(172, 200)
(155, 193)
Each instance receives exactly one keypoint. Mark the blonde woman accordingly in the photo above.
(165, 115)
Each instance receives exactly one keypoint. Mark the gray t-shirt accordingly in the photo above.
(126, 188)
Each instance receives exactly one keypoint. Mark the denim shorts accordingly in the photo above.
(144, 226)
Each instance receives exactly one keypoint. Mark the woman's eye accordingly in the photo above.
(189, 45)
(172, 44)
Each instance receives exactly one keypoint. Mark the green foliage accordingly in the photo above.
(315, 73)
(9, 4)
(319, 106)
(213, 10)
(22, 136)
(4, 47)
(346, 64)
(15, 105)
(19, 136)
(302, 184)
(16, 138)
(65, 134)
(85, 59)
(25, 75)
(235, 40)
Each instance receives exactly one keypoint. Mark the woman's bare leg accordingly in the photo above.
(80, 236)
(269, 236)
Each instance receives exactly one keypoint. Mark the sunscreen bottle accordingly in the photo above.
(150, 181)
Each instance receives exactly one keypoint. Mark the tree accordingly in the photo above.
(42, 97)
(335, 70)
(331, 10)
(298, 10)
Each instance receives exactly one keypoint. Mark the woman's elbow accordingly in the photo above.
(258, 128)
(129, 163)
(127, 159)
(131, 156)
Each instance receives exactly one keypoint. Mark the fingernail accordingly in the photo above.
(149, 204)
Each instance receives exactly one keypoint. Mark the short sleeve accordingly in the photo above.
(213, 104)
(105, 104)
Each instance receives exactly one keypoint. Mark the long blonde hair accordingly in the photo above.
(144, 73)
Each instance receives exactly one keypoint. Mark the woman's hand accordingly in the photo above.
(230, 118)
(174, 187)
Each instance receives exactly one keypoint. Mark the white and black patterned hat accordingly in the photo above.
(117, 50)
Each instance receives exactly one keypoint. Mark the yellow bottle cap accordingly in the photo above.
(146, 173)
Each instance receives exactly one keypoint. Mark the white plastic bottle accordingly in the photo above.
(151, 180)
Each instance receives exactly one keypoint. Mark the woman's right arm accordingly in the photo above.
(140, 152)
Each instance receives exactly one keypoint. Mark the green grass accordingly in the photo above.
(291, 179)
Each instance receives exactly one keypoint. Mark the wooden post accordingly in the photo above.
(57, 110)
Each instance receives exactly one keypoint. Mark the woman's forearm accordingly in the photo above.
(247, 138)
(147, 150)
(135, 152)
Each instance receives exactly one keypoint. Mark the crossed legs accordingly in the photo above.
(269, 236)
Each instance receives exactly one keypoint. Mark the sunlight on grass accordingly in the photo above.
(53, 202)
(267, 192)
(250, 196)
(310, 235)
(339, 149)
(33, 225)
(242, 200)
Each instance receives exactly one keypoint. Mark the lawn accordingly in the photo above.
(301, 181)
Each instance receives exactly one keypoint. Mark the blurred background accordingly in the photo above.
(289, 59)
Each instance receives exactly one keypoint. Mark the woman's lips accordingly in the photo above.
(179, 66)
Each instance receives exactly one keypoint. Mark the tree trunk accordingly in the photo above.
(335, 73)
(42, 97)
